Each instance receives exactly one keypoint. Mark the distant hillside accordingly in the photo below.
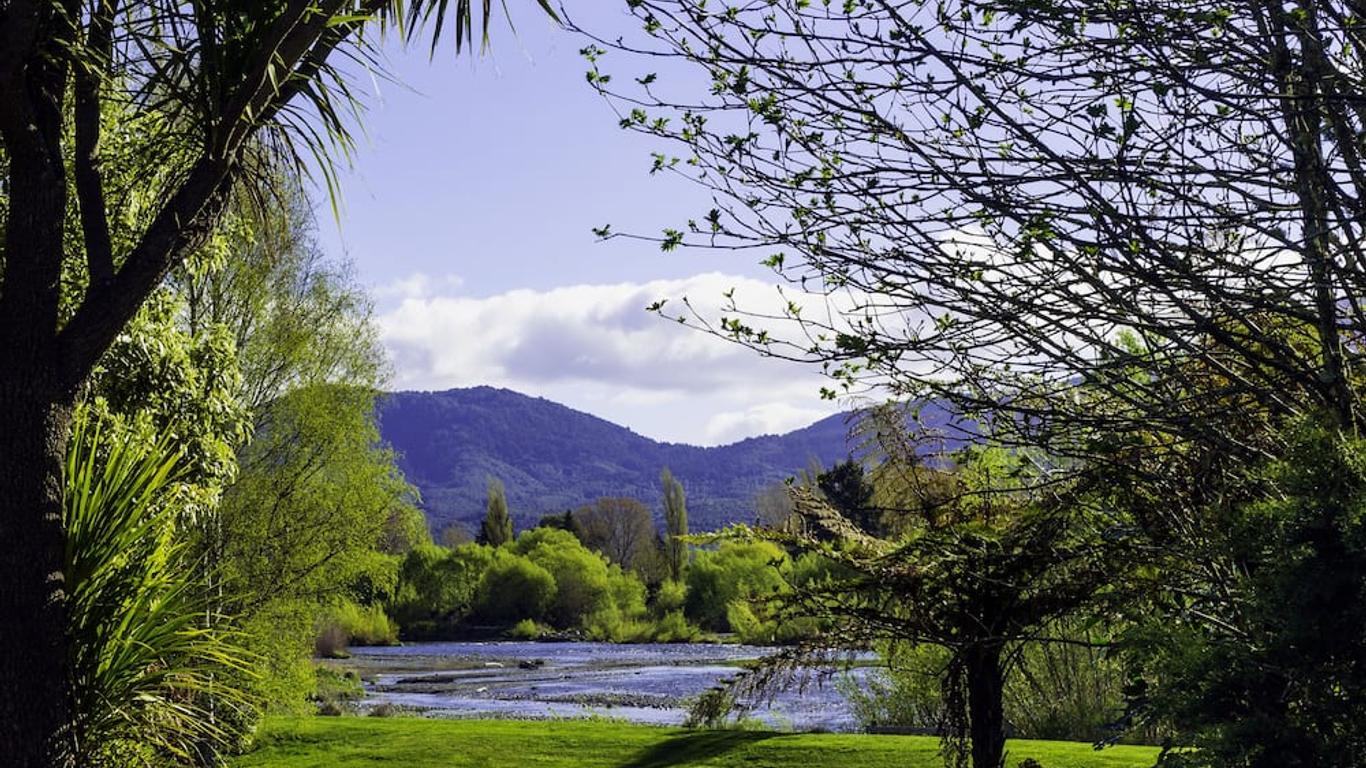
(554, 458)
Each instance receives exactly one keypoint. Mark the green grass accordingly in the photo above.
(409, 742)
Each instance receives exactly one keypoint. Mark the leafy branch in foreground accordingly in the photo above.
(1000, 200)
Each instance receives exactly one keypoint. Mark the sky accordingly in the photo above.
(468, 213)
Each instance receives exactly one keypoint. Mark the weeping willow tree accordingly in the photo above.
(123, 129)
(151, 674)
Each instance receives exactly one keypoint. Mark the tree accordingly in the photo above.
(675, 524)
(307, 516)
(1000, 200)
(582, 588)
(1121, 238)
(564, 522)
(995, 570)
(848, 492)
(622, 529)
(405, 530)
(1263, 666)
(298, 318)
(514, 588)
(454, 535)
(137, 121)
(496, 528)
(437, 587)
(734, 574)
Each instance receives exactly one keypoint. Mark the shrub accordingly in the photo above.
(627, 593)
(610, 627)
(673, 627)
(142, 658)
(358, 625)
(1267, 670)
(671, 597)
(526, 629)
(514, 588)
(735, 571)
(1064, 692)
(281, 635)
(1053, 692)
(906, 694)
(330, 642)
(581, 577)
(747, 627)
(335, 685)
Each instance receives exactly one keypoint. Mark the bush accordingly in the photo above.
(673, 627)
(281, 636)
(609, 627)
(627, 593)
(146, 676)
(1060, 692)
(1268, 669)
(1064, 692)
(335, 685)
(526, 629)
(335, 692)
(747, 627)
(581, 578)
(736, 571)
(906, 694)
(330, 642)
(438, 587)
(671, 597)
(514, 588)
(358, 625)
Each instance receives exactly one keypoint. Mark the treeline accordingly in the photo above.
(601, 572)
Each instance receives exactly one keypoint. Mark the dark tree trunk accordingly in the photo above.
(36, 394)
(986, 716)
(33, 652)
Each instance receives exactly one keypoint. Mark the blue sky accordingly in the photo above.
(468, 212)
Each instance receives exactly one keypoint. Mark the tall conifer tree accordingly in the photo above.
(676, 523)
(496, 530)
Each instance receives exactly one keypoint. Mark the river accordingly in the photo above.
(647, 683)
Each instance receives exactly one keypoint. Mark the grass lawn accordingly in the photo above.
(410, 742)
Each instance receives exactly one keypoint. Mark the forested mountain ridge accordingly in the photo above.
(554, 458)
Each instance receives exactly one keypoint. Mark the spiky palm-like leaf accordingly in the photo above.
(148, 663)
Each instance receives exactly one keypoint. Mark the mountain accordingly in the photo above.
(553, 458)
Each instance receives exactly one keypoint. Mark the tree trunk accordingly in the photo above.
(36, 395)
(986, 716)
(33, 641)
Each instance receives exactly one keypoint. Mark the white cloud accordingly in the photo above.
(418, 285)
(595, 347)
(762, 419)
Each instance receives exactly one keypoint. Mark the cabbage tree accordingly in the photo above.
(123, 128)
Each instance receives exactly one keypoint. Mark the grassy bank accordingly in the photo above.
(419, 743)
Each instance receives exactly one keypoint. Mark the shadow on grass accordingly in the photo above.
(693, 748)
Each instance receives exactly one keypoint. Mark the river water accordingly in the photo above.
(647, 683)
